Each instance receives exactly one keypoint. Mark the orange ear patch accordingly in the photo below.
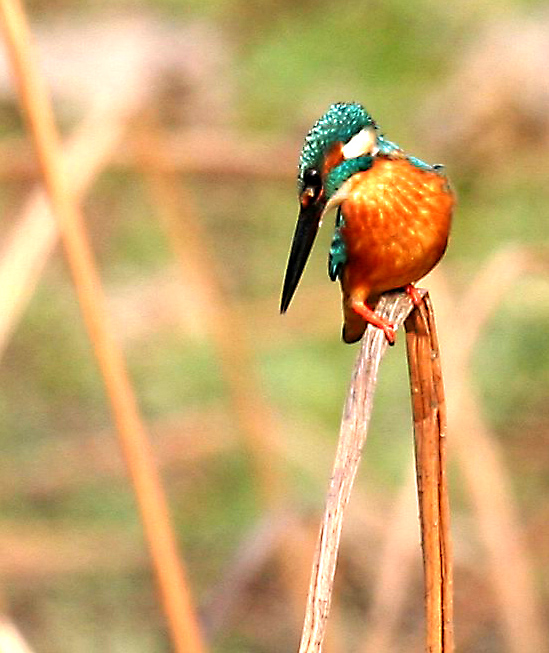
(333, 158)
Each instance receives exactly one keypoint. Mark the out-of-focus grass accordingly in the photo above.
(170, 373)
(49, 363)
(497, 215)
(133, 246)
(511, 368)
(323, 53)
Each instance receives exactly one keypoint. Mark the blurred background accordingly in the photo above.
(183, 125)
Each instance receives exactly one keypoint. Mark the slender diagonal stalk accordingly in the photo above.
(34, 235)
(353, 431)
(429, 415)
(133, 440)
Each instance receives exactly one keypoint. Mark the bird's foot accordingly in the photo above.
(414, 294)
(372, 318)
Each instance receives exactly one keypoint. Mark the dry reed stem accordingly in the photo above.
(429, 415)
(522, 621)
(34, 99)
(396, 307)
(180, 217)
(22, 261)
(33, 238)
(480, 456)
(11, 640)
(215, 153)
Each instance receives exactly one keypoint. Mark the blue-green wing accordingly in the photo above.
(338, 251)
(387, 148)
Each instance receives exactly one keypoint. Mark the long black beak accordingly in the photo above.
(306, 229)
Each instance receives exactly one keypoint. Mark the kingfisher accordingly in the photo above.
(393, 215)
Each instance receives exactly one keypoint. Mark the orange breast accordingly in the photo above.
(396, 224)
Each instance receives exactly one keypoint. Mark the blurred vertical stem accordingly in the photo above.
(220, 321)
(180, 217)
(429, 415)
(133, 440)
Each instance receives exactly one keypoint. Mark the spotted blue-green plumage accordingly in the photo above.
(348, 167)
(341, 122)
(387, 147)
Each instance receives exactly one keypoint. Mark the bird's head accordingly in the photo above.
(342, 142)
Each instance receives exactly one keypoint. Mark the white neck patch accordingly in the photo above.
(365, 142)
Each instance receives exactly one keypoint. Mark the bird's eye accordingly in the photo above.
(312, 183)
(311, 177)
(312, 180)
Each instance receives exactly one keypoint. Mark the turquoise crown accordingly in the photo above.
(342, 121)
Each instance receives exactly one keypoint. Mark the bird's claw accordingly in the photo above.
(414, 294)
(376, 320)
(389, 331)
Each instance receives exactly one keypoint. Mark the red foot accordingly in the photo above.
(366, 312)
(414, 294)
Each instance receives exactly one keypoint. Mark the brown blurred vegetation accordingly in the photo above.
(183, 125)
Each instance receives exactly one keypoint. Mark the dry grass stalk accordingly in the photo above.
(214, 153)
(11, 640)
(429, 415)
(133, 440)
(34, 236)
(354, 428)
(480, 457)
(180, 218)
(481, 461)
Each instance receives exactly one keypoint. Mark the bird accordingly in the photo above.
(393, 215)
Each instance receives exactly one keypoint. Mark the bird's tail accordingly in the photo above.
(353, 325)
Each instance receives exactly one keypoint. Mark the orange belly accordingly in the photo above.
(396, 224)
